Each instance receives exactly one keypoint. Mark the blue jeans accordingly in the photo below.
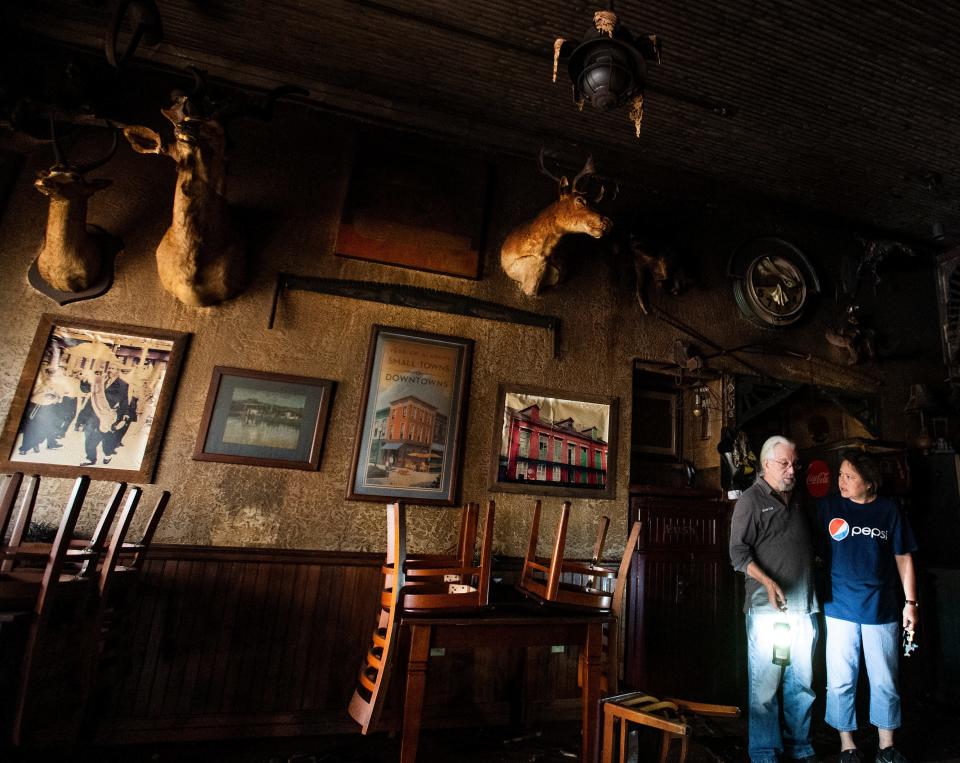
(765, 678)
(881, 655)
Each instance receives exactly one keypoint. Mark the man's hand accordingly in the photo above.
(775, 595)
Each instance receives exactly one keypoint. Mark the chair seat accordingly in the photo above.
(668, 717)
(569, 595)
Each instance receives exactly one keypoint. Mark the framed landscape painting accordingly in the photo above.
(264, 419)
(412, 414)
(93, 399)
(554, 443)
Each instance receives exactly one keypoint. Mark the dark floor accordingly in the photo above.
(931, 734)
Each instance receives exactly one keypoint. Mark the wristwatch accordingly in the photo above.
(912, 601)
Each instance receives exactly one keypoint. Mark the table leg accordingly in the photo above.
(416, 684)
(591, 692)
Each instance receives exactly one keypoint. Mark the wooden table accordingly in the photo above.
(516, 625)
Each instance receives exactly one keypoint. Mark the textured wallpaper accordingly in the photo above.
(286, 185)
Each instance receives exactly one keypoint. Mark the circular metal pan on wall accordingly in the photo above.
(773, 281)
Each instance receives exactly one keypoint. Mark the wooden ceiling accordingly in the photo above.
(845, 108)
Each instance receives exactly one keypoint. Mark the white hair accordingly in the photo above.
(766, 451)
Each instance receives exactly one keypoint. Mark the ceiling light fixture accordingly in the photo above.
(608, 67)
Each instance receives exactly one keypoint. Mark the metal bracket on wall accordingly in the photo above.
(416, 297)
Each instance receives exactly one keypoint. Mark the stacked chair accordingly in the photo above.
(57, 601)
(420, 585)
(548, 580)
(567, 584)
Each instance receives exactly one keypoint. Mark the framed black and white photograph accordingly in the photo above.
(264, 419)
(93, 398)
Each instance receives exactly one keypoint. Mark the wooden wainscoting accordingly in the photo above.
(239, 642)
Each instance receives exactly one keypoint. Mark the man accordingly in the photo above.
(105, 415)
(771, 543)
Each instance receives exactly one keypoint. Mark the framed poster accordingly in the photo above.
(412, 412)
(93, 398)
(554, 443)
(264, 419)
(415, 207)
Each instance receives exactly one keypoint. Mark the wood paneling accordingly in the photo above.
(683, 632)
(256, 642)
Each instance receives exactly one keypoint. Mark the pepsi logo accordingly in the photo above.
(839, 529)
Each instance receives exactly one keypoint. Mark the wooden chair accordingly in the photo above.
(419, 585)
(611, 657)
(7, 500)
(22, 521)
(466, 540)
(668, 717)
(454, 588)
(58, 603)
(374, 678)
(551, 587)
(84, 619)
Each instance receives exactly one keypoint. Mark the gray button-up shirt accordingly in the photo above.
(778, 538)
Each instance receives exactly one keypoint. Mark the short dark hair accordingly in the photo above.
(866, 466)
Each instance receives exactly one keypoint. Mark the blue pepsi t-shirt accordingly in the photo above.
(858, 542)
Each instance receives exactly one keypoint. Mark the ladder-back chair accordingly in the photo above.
(543, 580)
(669, 717)
(374, 678)
(456, 587)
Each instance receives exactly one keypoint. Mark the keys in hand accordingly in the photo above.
(909, 645)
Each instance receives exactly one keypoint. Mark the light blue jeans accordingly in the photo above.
(881, 654)
(765, 679)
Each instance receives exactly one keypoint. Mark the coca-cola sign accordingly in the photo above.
(818, 478)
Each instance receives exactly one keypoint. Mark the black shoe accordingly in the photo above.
(850, 756)
(88, 462)
(53, 445)
(890, 755)
(106, 459)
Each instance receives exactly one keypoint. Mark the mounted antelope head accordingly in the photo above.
(527, 253)
(201, 259)
(70, 258)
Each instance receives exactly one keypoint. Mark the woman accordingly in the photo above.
(867, 546)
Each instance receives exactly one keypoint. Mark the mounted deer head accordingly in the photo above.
(527, 253)
(658, 268)
(201, 259)
(70, 258)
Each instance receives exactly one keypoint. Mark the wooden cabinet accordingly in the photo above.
(684, 633)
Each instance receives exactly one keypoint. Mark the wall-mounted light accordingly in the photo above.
(608, 67)
(781, 643)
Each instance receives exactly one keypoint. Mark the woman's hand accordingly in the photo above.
(911, 616)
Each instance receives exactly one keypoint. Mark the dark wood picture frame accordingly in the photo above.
(73, 354)
(664, 414)
(550, 475)
(409, 206)
(412, 416)
(283, 427)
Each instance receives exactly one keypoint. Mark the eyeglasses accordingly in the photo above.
(784, 464)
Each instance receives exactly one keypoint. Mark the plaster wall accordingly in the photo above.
(287, 180)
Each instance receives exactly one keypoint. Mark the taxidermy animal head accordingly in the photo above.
(201, 259)
(527, 254)
(653, 267)
(70, 258)
(850, 334)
